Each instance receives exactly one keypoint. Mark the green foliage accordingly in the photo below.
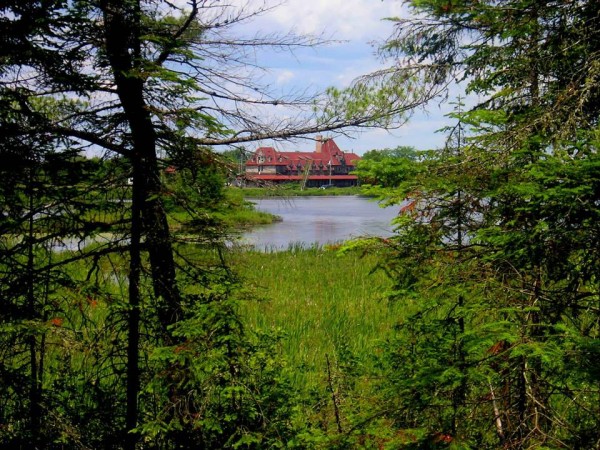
(382, 99)
(46, 200)
(495, 257)
(220, 387)
(115, 330)
(491, 261)
(73, 372)
(237, 156)
(387, 168)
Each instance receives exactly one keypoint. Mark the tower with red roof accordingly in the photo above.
(326, 165)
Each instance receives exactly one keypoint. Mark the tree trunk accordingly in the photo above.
(35, 413)
(149, 227)
(123, 50)
(133, 321)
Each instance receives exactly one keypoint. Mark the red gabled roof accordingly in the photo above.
(272, 157)
(330, 154)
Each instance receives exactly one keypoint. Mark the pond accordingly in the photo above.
(319, 220)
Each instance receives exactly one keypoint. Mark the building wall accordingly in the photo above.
(327, 163)
(265, 170)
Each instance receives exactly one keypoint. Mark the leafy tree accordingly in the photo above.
(507, 311)
(388, 167)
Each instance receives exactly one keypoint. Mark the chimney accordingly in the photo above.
(319, 145)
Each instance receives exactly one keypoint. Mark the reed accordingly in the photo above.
(325, 303)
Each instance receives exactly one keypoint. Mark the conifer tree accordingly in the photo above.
(528, 172)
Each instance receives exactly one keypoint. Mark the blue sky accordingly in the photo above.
(357, 24)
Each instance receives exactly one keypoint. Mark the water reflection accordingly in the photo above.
(319, 220)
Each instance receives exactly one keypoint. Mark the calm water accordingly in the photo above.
(320, 220)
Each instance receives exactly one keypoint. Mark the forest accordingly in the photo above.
(127, 322)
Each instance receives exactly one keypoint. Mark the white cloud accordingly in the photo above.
(341, 19)
(285, 76)
(419, 133)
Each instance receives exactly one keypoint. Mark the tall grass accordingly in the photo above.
(322, 301)
(326, 303)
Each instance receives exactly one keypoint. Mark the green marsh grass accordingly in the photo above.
(322, 301)
(325, 303)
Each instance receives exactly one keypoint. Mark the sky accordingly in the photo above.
(358, 25)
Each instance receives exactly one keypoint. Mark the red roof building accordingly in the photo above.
(326, 165)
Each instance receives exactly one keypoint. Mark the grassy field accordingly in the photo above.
(325, 303)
